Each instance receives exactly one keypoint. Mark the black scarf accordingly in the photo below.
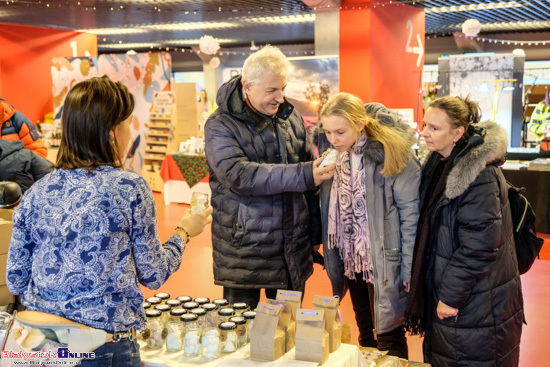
(416, 311)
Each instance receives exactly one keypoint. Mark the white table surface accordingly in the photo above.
(346, 356)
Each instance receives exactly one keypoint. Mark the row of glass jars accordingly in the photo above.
(183, 331)
(195, 326)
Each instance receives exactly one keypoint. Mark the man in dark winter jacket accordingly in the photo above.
(21, 165)
(263, 177)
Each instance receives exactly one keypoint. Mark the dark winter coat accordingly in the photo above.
(392, 209)
(21, 165)
(475, 268)
(265, 221)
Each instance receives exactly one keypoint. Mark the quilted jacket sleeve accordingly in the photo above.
(228, 161)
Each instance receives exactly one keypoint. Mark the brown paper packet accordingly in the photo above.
(346, 333)
(286, 322)
(332, 319)
(312, 340)
(294, 297)
(267, 338)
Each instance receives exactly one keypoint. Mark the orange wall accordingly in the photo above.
(374, 62)
(25, 64)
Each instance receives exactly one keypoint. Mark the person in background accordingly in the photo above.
(21, 165)
(466, 291)
(540, 120)
(16, 126)
(370, 212)
(263, 178)
(206, 105)
(85, 235)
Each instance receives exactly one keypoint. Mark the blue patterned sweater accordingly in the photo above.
(81, 244)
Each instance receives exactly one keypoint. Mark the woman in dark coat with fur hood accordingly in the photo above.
(465, 289)
(369, 212)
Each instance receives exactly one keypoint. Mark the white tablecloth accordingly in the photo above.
(346, 356)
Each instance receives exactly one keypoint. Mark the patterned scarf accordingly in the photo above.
(348, 227)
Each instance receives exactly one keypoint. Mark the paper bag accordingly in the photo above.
(332, 319)
(294, 297)
(312, 340)
(267, 338)
(286, 322)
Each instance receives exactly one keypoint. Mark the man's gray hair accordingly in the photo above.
(267, 60)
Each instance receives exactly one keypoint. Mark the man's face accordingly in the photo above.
(267, 94)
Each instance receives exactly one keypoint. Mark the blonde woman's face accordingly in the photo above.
(340, 133)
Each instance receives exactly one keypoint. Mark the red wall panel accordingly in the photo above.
(25, 64)
(379, 53)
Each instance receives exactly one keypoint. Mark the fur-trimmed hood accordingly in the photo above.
(486, 144)
(374, 149)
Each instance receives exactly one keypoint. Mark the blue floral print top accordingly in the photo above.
(81, 244)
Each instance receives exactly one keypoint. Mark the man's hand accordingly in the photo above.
(324, 173)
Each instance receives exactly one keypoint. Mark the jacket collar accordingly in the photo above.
(374, 150)
(487, 144)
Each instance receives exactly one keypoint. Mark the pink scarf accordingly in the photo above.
(348, 227)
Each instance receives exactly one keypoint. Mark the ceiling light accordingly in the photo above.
(196, 41)
(111, 31)
(506, 26)
(128, 45)
(472, 7)
(187, 26)
(287, 19)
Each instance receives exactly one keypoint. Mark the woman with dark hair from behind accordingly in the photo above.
(85, 236)
(465, 292)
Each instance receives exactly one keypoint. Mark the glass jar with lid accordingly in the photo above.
(191, 334)
(240, 307)
(153, 334)
(249, 316)
(163, 296)
(202, 300)
(201, 316)
(224, 314)
(221, 302)
(174, 330)
(165, 309)
(184, 299)
(211, 314)
(240, 330)
(153, 301)
(211, 342)
(190, 305)
(174, 303)
(228, 337)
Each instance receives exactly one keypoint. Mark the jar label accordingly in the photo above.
(223, 335)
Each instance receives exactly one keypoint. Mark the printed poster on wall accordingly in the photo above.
(144, 74)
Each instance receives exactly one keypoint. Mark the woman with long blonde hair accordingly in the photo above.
(370, 211)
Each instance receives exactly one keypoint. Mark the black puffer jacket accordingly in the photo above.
(475, 269)
(264, 222)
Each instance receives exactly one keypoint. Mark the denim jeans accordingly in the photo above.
(124, 353)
